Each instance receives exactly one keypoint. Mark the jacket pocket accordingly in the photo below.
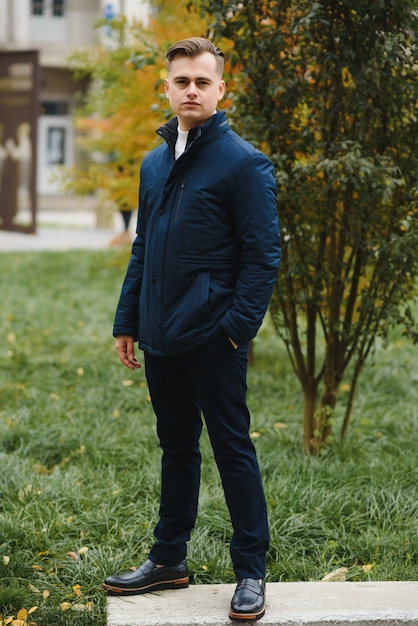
(189, 310)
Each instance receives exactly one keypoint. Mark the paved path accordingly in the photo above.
(56, 239)
(288, 604)
(65, 224)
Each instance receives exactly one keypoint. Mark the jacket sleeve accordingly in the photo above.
(253, 203)
(127, 312)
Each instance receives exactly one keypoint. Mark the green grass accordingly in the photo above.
(80, 460)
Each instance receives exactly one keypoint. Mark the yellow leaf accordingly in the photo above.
(205, 568)
(83, 550)
(32, 610)
(22, 614)
(77, 590)
(345, 387)
(8, 620)
(33, 588)
(37, 568)
(116, 413)
(11, 337)
(18, 622)
(254, 435)
(6, 560)
(54, 396)
(65, 606)
(337, 576)
(80, 371)
(46, 594)
(366, 568)
(280, 425)
(127, 383)
(78, 607)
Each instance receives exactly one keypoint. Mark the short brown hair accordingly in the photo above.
(193, 47)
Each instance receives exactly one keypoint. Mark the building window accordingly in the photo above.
(56, 8)
(38, 7)
(52, 107)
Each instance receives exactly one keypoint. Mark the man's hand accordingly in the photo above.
(126, 351)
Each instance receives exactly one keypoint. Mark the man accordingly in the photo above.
(197, 287)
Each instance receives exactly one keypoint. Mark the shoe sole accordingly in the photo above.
(180, 583)
(246, 617)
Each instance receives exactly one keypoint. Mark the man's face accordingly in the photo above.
(194, 89)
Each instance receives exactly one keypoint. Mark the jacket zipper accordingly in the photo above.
(176, 214)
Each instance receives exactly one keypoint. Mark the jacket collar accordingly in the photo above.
(216, 124)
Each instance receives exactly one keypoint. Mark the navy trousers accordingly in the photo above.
(210, 380)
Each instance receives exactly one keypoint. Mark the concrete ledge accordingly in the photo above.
(288, 604)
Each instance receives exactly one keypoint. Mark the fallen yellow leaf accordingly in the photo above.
(65, 606)
(127, 383)
(6, 560)
(37, 567)
(77, 590)
(280, 425)
(254, 435)
(22, 614)
(337, 576)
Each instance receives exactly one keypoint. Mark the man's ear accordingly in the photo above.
(166, 87)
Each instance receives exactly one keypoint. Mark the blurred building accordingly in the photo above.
(56, 28)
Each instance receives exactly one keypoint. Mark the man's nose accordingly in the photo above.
(192, 90)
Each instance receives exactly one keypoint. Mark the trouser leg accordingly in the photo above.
(179, 426)
(218, 373)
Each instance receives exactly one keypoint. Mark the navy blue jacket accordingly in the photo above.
(207, 249)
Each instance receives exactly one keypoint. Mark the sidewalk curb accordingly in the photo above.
(288, 604)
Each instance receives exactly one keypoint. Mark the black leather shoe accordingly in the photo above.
(248, 601)
(148, 577)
